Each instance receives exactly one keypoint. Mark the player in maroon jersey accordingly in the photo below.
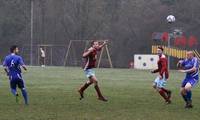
(160, 82)
(90, 57)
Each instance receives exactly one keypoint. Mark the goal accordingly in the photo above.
(54, 54)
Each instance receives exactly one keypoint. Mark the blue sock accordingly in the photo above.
(14, 91)
(25, 95)
(184, 97)
(189, 95)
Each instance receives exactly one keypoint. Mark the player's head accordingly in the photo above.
(95, 44)
(190, 54)
(160, 50)
(41, 48)
(14, 49)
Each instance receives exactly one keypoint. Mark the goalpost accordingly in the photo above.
(54, 54)
(75, 49)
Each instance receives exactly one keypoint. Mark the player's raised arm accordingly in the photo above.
(103, 44)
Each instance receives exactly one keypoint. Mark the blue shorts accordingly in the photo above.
(160, 83)
(16, 82)
(89, 73)
(192, 81)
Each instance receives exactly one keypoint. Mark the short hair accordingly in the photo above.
(161, 48)
(12, 48)
(192, 52)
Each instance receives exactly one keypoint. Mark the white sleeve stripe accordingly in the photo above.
(195, 63)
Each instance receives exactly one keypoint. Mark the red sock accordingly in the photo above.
(163, 94)
(165, 90)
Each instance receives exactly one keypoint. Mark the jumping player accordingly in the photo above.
(160, 82)
(90, 57)
(190, 66)
(12, 64)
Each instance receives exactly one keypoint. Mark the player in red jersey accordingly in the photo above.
(90, 57)
(160, 82)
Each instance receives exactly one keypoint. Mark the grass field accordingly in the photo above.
(53, 96)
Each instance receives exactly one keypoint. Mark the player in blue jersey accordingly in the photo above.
(190, 66)
(12, 64)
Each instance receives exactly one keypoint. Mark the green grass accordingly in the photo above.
(53, 96)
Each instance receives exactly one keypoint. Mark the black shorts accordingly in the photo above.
(14, 83)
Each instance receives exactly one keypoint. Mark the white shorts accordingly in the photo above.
(160, 83)
(89, 73)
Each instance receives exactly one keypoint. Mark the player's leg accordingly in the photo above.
(164, 95)
(163, 87)
(89, 73)
(182, 90)
(159, 85)
(83, 88)
(23, 90)
(98, 91)
(168, 93)
(13, 87)
(188, 92)
(183, 94)
(188, 89)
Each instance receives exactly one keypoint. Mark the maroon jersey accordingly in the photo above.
(90, 60)
(162, 66)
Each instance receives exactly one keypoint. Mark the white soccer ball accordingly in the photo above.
(171, 19)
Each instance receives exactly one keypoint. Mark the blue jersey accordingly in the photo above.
(190, 63)
(13, 63)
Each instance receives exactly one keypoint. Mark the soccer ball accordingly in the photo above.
(171, 19)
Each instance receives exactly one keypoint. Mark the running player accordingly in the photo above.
(190, 66)
(12, 64)
(90, 57)
(160, 82)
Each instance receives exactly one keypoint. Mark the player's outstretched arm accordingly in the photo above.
(103, 44)
(155, 71)
(189, 70)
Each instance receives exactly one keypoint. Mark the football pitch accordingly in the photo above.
(53, 96)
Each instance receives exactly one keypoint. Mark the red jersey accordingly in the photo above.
(162, 66)
(90, 60)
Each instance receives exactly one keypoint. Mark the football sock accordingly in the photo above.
(85, 86)
(165, 90)
(14, 91)
(25, 95)
(189, 95)
(163, 94)
(184, 97)
(98, 91)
